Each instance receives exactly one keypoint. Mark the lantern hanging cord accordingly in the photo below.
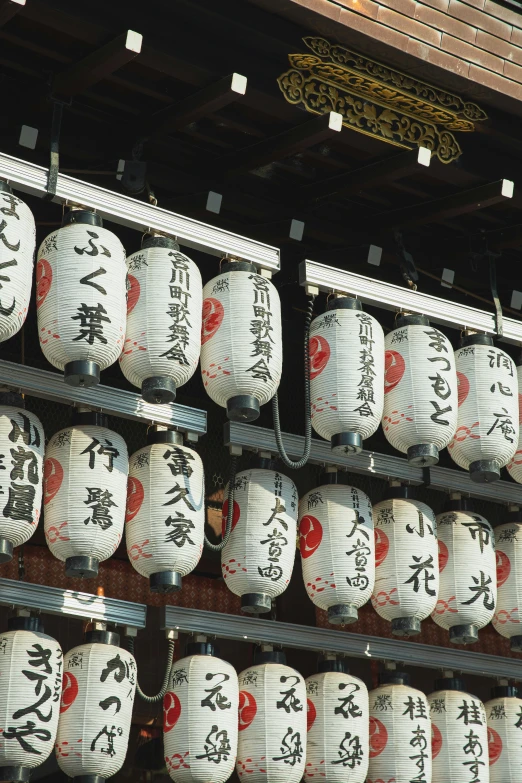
(163, 690)
(300, 463)
(230, 511)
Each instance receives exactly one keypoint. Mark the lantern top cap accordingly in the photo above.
(199, 648)
(158, 240)
(98, 636)
(89, 417)
(164, 436)
(474, 338)
(237, 266)
(12, 398)
(392, 677)
(343, 302)
(457, 504)
(5, 187)
(269, 656)
(84, 216)
(449, 684)
(332, 665)
(398, 492)
(499, 691)
(33, 624)
(411, 319)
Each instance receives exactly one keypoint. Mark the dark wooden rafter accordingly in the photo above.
(8, 9)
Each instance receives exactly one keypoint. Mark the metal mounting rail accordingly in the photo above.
(304, 637)
(30, 178)
(394, 297)
(383, 466)
(115, 402)
(53, 600)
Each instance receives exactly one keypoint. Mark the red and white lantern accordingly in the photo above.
(337, 748)
(420, 390)
(163, 335)
(514, 466)
(487, 432)
(17, 243)
(406, 567)
(241, 344)
(85, 490)
(200, 724)
(508, 614)
(165, 518)
(504, 721)
(81, 297)
(400, 731)
(272, 722)
(346, 374)
(337, 547)
(258, 559)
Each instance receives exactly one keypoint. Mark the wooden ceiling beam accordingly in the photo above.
(8, 9)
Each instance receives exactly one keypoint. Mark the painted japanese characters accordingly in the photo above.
(508, 614)
(346, 374)
(17, 243)
(487, 430)
(241, 344)
(165, 518)
(337, 547)
(81, 298)
(514, 466)
(163, 335)
(85, 475)
(258, 559)
(420, 390)
(200, 718)
(504, 722)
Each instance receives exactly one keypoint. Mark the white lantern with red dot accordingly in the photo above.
(99, 684)
(163, 335)
(487, 432)
(200, 717)
(337, 748)
(337, 546)
(508, 614)
(460, 734)
(346, 374)
(406, 567)
(30, 688)
(400, 731)
(258, 558)
(85, 489)
(514, 466)
(165, 518)
(80, 297)
(420, 390)
(272, 721)
(468, 581)
(504, 722)
(241, 343)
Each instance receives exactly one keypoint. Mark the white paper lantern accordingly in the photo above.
(85, 476)
(420, 390)
(81, 297)
(241, 344)
(17, 243)
(21, 457)
(272, 722)
(346, 374)
(337, 748)
(508, 614)
(99, 683)
(400, 732)
(30, 688)
(337, 547)
(200, 723)
(406, 567)
(163, 335)
(468, 582)
(504, 722)
(459, 733)
(487, 429)
(514, 466)
(165, 518)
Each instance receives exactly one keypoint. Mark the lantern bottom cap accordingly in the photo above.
(463, 634)
(484, 471)
(158, 390)
(405, 626)
(165, 582)
(6, 550)
(342, 614)
(83, 567)
(347, 443)
(89, 779)
(423, 455)
(243, 407)
(256, 603)
(17, 773)
(516, 643)
(82, 374)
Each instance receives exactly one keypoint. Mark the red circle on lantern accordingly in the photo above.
(224, 514)
(69, 691)
(494, 745)
(53, 477)
(378, 737)
(44, 278)
(213, 314)
(462, 388)
(311, 532)
(311, 714)
(133, 293)
(319, 351)
(247, 709)
(382, 545)
(394, 367)
(503, 567)
(135, 495)
(171, 710)
(443, 556)
(436, 740)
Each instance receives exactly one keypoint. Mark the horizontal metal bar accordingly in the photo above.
(394, 297)
(54, 600)
(303, 637)
(115, 402)
(385, 466)
(130, 212)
